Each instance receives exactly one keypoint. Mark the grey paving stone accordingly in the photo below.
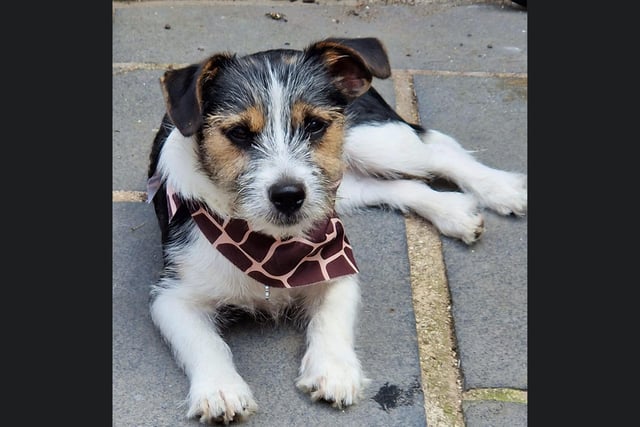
(148, 386)
(494, 414)
(486, 115)
(488, 281)
(416, 37)
(137, 110)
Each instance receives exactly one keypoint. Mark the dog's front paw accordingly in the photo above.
(503, 192)
(221, 403)
(336, 379)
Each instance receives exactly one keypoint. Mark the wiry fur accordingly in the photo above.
(307, 123)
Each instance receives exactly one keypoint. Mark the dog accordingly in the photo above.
(256, 158)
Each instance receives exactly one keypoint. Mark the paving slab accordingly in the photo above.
(487, 281)
(138, 107)
(453, 39)
(495, 414)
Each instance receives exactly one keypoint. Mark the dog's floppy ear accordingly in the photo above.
(353, 62)
(182, 89)
(373, 53)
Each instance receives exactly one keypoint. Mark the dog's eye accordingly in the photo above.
(240, 135)
(315, 128)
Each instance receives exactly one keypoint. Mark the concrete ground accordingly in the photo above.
(443, 328)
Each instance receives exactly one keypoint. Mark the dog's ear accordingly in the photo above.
(373, 53)
(182, 89)
(353, 62)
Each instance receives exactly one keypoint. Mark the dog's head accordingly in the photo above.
(269, 126)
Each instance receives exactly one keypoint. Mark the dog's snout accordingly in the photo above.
(287, 197)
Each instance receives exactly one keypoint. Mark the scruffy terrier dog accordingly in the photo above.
(255, 158)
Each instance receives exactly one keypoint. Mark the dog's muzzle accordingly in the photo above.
(287, 197)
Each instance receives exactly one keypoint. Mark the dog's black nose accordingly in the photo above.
(287, 197)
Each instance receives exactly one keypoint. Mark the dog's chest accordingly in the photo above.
(214, 279)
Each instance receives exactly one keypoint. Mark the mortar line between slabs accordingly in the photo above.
(431, 300)
(128, 196)
(509, 395)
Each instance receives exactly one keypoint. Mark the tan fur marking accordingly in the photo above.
(209, 70)
(224, 161)
(253, 117)
(302, 110)
(289, 59)
(328, 150)
(351, 76)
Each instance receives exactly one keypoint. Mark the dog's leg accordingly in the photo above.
(394, 149)
(217, 392)
(454, 214)
(330, 369)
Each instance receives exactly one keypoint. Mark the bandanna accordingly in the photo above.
(284, 263)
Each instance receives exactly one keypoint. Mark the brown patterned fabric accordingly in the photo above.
(297, 261)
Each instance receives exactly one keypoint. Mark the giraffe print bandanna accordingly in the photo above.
(281, 263)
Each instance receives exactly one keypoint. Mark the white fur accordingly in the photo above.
(454, 214)
(179, 165)
(216, 389)
(280, 162)
(330, 369)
